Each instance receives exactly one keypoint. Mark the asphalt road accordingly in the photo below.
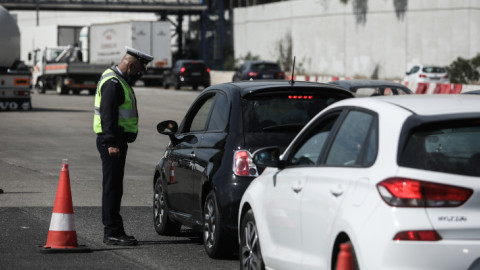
(33, 145)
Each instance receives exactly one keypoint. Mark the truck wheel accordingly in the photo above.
(41, 86)
(165, 84)
(61, 89)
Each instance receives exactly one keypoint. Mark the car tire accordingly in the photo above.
(250, 253)
(162, 223)
(177, 85)
(215, 240)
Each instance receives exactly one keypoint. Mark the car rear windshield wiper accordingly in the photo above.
(286, 127)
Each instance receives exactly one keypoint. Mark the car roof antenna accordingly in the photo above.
(292, 81)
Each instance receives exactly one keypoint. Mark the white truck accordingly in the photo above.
(14, 75)
(107, 41)
(63, 69)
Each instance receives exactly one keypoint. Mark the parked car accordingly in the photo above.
(427, 74)
(367, 88)
(206, 167)
(396, 177)
(192, 73)
(258, 70)
(472, 92)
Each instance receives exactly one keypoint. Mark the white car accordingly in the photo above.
(427, 74)
(397, 177)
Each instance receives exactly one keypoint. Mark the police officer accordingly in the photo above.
(115, 122)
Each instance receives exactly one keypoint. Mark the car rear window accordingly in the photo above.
(265, 67)
(450, 147)
(276, 118)
(195, 66)
(434, 70)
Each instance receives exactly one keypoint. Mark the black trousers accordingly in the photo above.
(112, 188)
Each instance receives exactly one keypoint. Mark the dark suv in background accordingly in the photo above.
(207, 166)
(192, 73)
(258, 70)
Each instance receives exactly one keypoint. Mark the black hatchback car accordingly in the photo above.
(192, 73)
(258, 70)
(207, 166)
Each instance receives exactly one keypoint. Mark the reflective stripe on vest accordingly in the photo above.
(127, 112)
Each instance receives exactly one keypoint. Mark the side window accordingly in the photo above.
(199, 119)
(309, 151)
(219, 118)
(414, 70)
(353, 138)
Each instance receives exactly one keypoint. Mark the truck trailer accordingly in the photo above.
(14, 74)
(107, 41)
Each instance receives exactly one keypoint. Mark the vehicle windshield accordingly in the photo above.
(449, 147)
(434, 70)
(378, 91)
(265, 67)
(276, 118)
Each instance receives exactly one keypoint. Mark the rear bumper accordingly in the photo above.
(15, 104)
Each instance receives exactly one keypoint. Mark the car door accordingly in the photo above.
(183, 156)
(284, 195)
(339, 174)
(211, 150)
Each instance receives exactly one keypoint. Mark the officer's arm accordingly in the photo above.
(112, 98)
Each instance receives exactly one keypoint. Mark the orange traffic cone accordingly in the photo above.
(62, 236)
(345, 258)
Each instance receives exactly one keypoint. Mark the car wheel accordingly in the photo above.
(215, 240)
(250, 252)
(177, 85)
(163, 225)
(337, 253)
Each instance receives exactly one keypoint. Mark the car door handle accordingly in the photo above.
(337, 191)
(297, 187)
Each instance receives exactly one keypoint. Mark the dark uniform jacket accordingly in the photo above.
(112, 97)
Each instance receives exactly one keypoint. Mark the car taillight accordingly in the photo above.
(299, 97)
(252, 74)
(280, 75)
(243, 164)
(208, 70)
(446, 76)
(403, 192)
(417, 236)
(422, 76)
(182, 70)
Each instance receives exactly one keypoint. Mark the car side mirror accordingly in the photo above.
(268, 157)
(168, 127)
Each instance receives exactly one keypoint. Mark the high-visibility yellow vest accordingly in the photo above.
(127, 112)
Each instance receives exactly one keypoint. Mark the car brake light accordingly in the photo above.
(417, 236)
(403, 192)
(243, 164)
(423, 76)
(208, 70)
(252, 74)
(280, 74)
(446, 76)
(182, 70)
(300, 97)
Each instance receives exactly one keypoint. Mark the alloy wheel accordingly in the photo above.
(251, 248)
(209, 224)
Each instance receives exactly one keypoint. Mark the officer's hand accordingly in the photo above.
(114, 151)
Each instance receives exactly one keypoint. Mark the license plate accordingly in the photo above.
(196, 73)
(89, 82)
(267, 76)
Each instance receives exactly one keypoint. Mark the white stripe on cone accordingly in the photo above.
(62, 222)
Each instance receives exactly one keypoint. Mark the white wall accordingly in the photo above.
(329, 41)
